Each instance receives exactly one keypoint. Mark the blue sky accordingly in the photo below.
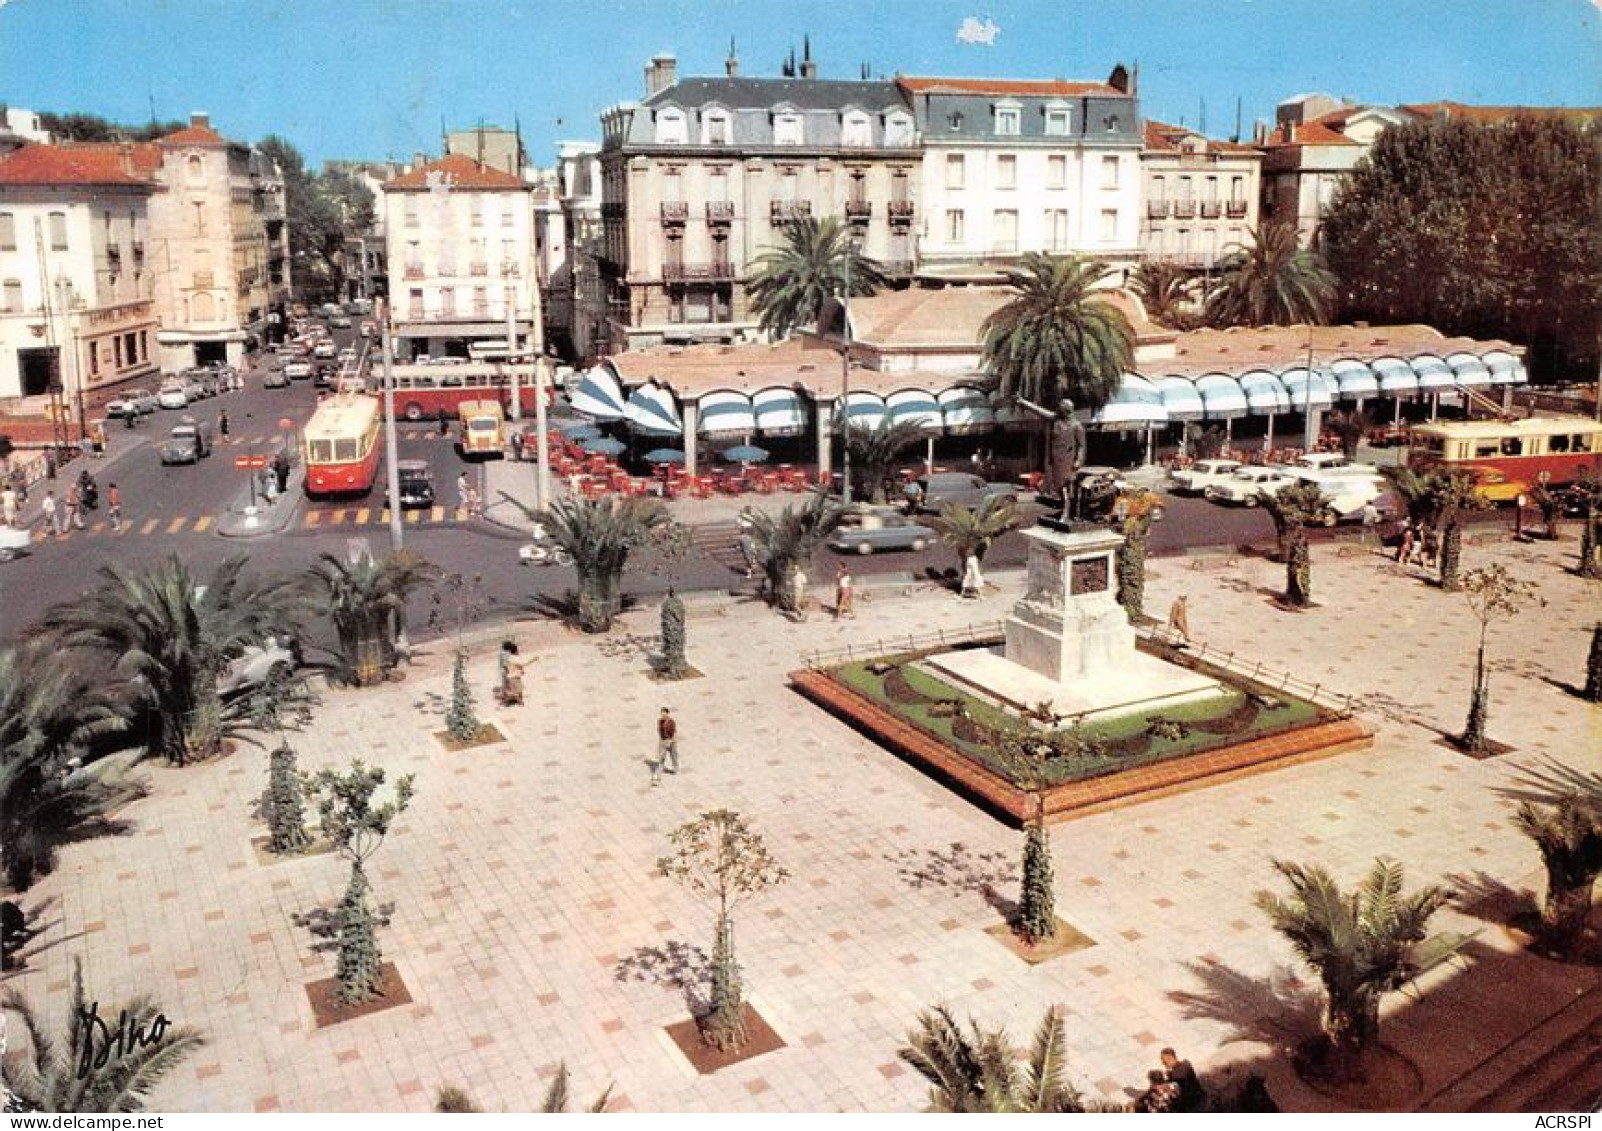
(374, 78)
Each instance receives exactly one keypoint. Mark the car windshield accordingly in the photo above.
(481, 425)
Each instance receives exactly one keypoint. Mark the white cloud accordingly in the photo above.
(983, 32)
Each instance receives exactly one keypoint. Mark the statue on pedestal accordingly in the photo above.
(1065, 454)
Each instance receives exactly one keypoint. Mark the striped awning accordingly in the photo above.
(865, 410)
(599, 395)
(1505, 368)
(1180, 398)
(1434, 374)
(779, 412)
(725, 413)
(1468, 371)
(651, 411)
(915, 406)
(1355, 379)
(1221, 395)
(966, 409)
(1265, 393)
(1396, 377)
(1136, 404)
(1315, 388)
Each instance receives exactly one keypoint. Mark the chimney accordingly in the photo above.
(200, 120)
(731, 65)
(418, 161)
(125, 157)
(1119, 79)
(809, 69)
(660, 74)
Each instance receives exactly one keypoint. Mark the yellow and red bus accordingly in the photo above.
(340, 445)
(1536, 449)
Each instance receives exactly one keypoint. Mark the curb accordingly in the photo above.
(274, 519)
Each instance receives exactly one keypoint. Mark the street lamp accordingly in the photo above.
(845, 379)
(397, 530)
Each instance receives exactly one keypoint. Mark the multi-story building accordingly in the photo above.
(1201, 195)
(1011, 166)
(699, 179)
(77, 280)
(490, 146)
(461, 255)
(19, 128)
(578, 173)
(219, 245)
(1315, 144)
(365, 260)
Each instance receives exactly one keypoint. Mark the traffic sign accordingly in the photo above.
(242, 462)
(245, 463)
(285, 424)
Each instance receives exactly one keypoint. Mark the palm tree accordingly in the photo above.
(792, 281)
(1349, 427)
(977, 1071)
(1568, 833)
(1589, 489)
(1413, 488)
(49, 713)
(1274, 282)
(1056, 339)
(366, 600)
(1166, 290)
(453, 1100)
(171, 636)
(78, 1078)
(1359, 944)
(1452, 494)
(599, 535)
(874, 452)
(789, 537)
(971, 530)
(1293, 509)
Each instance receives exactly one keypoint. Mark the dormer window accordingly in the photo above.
(1111, 123)
(1009, 119)
(897, 129)
(955, 120)
(1058, 120)
(670, 127)
(716, 128)
(856, 129)
(787, 128)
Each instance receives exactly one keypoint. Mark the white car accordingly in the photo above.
(298, 370)
(174, 394)
(13, 541)
(324, 349)
(1248, 485)
(132, 402)
(1202, 474)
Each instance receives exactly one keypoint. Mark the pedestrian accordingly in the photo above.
(1430, 548)
(8, 505)
(748, 550)
(1404, 548)
(844, 594)
(475, 503)
(97, 437)
(281, 470)
(667, 746)
(222, 424)
(463, 495)
(19, 484)
(510, 691)
(517, 447)
(973, 582)
(1370, 521)
(269, 485)
(53, 514)
(73, 509)
(1179, 617)
(1192, 1096)
(114, 507)
(798, 588)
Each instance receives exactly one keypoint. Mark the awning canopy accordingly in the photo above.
(915, 406)
(1136, 404)
(1180, 398)
(1468, 371)
(1354, 379)
(599, 396)
(652, 411)
(1221, 395)
(865, 410)
(1434, 374)
(1265, 393)
(725, 413)
(779, 412)
(1505, 368)
(966, 409)
(1315, 388)
(1396, 377)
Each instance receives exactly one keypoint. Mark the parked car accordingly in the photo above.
(867, 530)
(298, 370)
(340, 322)
(1195, 479)
(325, 349)
(174, 393)
(132, 402)
(1247, 485)
(189, 442)
(416, 484)
(324, 375)
(934, 492)
(275, 378)
(369, 328)
(274, 656)
(13, 541)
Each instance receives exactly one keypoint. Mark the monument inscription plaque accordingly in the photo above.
(1088, 575)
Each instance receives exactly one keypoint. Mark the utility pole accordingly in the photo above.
(845, 381)
(511, 350)
(397, 530)
(542, 441)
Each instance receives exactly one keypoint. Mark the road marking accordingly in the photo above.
(176, 525)
(413, 517)
(97, 528)
(338, 517)
(362, 515)
(313, 518)
(437, 514)
(149, 526)
(202, 523)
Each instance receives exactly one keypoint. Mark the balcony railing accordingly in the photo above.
(901, 213)
(1211, 209)
(697, 272)
(782, 210)
(612, 211)
(719, 211)
(478, 269)
(1235, 209)
(1157, 209)
(204, 279)
(1184, 209)
(675, 212)
(897, 268)
(858, 209)
(414, 272)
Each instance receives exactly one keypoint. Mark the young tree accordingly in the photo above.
(1493, 593)
(972, 530)
(1139, 507)
(453, 1100)
(599, 535)
(1293, 509)
(461, 718)
(874, 452)
(1452, 495)
(721, 859)
(1568, 833)
(356, 827)
(1358, 944)
(52, 1078)
(977, 1071)
(812, 265)
(286, 802)
(1057, 338)
(1589, 488)
(791, 536)
(1168, 292)
(366, 601)
(1592, 692)
(1273, 282)
(674, 664)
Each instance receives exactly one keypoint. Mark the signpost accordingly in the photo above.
(251, 464)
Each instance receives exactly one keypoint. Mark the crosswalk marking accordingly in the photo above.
(338, 516)
(150, 525)
(437, 514)
(176, 525)
(362, 515)
(202, 524)
(313, 518)
(414, 516)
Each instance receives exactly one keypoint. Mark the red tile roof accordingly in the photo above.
(1308, 133)
(193, 135)
(1002, 87)
(1162, 137)
(46, 165)
(1500, 113)
(459, 172)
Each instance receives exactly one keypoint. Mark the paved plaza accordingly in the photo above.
(531, 929)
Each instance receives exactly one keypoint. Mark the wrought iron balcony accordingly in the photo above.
(675, 212)
(898, 268)
(858, 209)
(1184, 209)
(1235, 209)
(715, 271)
(719, 211)
(782, 210)
(901, 213)
(414, 272)
(478, 269)
(1157, 209)
(1211, 209)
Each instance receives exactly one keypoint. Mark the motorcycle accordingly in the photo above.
(88, 491)
(543, 551)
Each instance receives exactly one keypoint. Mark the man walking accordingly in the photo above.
(517, 447)
(73, 517)
(1179, 618)
(464, 495)
(8, 505)
(222, 424)
(667, 746)
(53, 514)
(844, 594)
(114, 508)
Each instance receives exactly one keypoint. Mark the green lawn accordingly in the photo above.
(1107, 734)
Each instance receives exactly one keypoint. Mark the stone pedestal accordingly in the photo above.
(1069, 623)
